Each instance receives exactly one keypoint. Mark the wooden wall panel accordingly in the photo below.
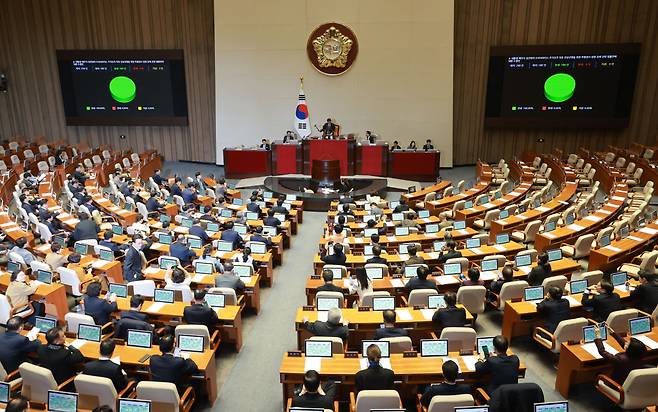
(480, 24)
(31, 31)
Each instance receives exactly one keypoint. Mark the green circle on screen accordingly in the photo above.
(123, 89)
(559, 87)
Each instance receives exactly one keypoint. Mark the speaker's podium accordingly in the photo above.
(341, 150)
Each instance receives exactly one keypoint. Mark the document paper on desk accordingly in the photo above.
(78, 343)
(650, 343)
(591, 349)
(470, 361)
(155, 307)
(499, 248)
(397, 283)
(649, 231)
(403, 314)
(427, 313)
(312, 363)
(198, 277)
(151, 270)
(572, 301)
(384, 362)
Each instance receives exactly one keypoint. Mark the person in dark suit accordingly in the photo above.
(395, 146)
(14, 347)
(507, 276)
(199, 313)
(414, 259)
(197, 230)
(312, 396)
(132, 264)
(473, 275)
(541, 271)
(279, 208)
(646, 293)
(451, 315)
(402, 207)
(107, 242)
(428, 145)
(252, 206)
(420, 281)
(328, 129)
(264, 145)
(230, 235)
(104, 367)
(180, 250)
(370, 137)
(328, 285)
(270, 220)
(448, 251)
(58, 357)
(257, 236)
(623, 362)
(80, 175)
(175, 189)
(375, 377)
(85, 229)
(338, 258)
(554, 308)
(448, 387)
(504, 368)
(389, 330)
(170, 368)
(132, 319)
(189, 194)
(376, 256)
(199, 183)
(332, 327)
(153, 204)
(602, 300)
(19, 404)
(157, 178)
(99, 309)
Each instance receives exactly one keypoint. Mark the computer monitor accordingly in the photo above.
(165, 218)
(327, 302)
(411, 189)
(139, 338)
(4, 392)
(133, 405)
(618, 278)
(401, 231)
(432, 228)
(533, 293)
(128, 206)
(204, 268)
(523, 260)
(242, 271)
(89, 332)
(44, 324)
(455, 191)
(212, 227)
(337, 273)
(81, 248)
(119, 289)
(163, 295)
(237, 201)
(252, 215)
(438, 245)
(384, 347)
(318, 348)
(59, 401)
(191, 343)
(624, 232)
(367, 250)
(498, 194)
(59, 240)
(403, 248)
(367, 218)
(280, 216)
(411, 271)
(383, 303)
(106, 255)
(291, 198)
(452, 268)
(570, 219)
(269, 231)
(397, 217)
(577, 286)
(550, 226)
(639, 325)
(589, 332)
(473, 242)
(165, 238)
(489, 265)
(433, 347)
(468, 204)
(393, 204)
(436, 301)
(502, 238)
(268, 195)
(375, 273)
(226, 213)
(300, 409)
(258, 248)
(485, 341)
(224, 246)
(367, 232)
(504, 214)
(604, 241)
(484, 199)
(167, 262)
(117, 230)
(186, 222)
(459, 224)
(194, 243)
(423, 214)
(554, 254)
(241, 229)
(215, 300)
(45, 276)
(562, 406)
(471, 409)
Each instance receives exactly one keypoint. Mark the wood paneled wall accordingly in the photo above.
(483, 23)
(31, 31)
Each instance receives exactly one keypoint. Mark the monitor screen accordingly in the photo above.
(484, 199)
(618, 278)
(258, 248)
(237, 201)
(375, 273)
(397, 217)
(267, 195)
(194, 243)
(224, 246)
(337, 273)
(533, 293)
(472, 243)
(489, 264)
(327, 302)
(502, 238)
(411, 271)
(423, 214)
(401, 231)
(165, 238)
(552, 407)
(438, 245)
(291, 198)
(504, 214)
(577, 286)
(367, 250)
(624, 231)
(433, 347)
(498, 194)
(204, 268)
(44, 324)
(212, 227)
(139, 338)
(432, 228)
(452, 268)
(4, 392)
(185, 222)
(555, 254)
(383, 303)
(485, 341)
(166, 263)
(252, 215)
(280, 216)
(165, 218)
(243, 271)
(62, 401)
(393, 204)
(191, 343)
(106, 255)
(215, 300)
(117, 230)
(59, 240)
(269, 231)
(227, 213)
(241, 229)
(383, 347)
(459, 224)
(639, 325)
(163, 295)
(367, 218)
(89, 332)
(118, 289)
(45, 276)
(604, 241)
(370, 231)
(134, 405)
(436, 301)
(403, 248)
(318, 348)
(523, 260)
(550, 226)
(81, 248)
(468, 204)
(589, 332)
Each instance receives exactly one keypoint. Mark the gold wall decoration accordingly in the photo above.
(332, 48)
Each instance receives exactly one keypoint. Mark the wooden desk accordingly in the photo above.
(419, 195)
(621, 251)
(54, 295)
(484, 175)
(479, 211)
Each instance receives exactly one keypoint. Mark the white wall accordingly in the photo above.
(400, 85)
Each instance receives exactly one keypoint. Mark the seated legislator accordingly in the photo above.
(85, 229)
(448, 251)
(156, 177)
(389, 330)
(448, 387)
(197, 230)
(169, 368)
(623, 362)
(19, 404)
(270, 220)
(264, 145)
(132, 263)
(414, 259)
(503, 368)
(230, 235)
(328, 285)
(22, 251)
(54, 258)
(332, 327)
(20, 290)
(229, 279)
(409, 220)
(153, 204)
(602, 299)
(554, 309)
(178, 279)
(189, 194)
(451, 315)
(507, 275)
(376, 256)
(420, 281)
(107, 242)
(199, 313)
(337, 235)
(337, 258)
(312, 395)
(99, 309)
(245, 257)
(395, 146)
(105, 366)
(428, 145)
(289, 137)
(253, 206)
(473, 278)
(257, 236)
(14, 347)
(279, 208)
(60, 358)
(132, 319)
(646, 293)
(360, 283)
(541, 271)
(374, 377)
(328, 129)
(180, 250)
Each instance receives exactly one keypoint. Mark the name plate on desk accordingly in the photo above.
(410, 354)
(294, 353)
(364, 308)
(351, 354)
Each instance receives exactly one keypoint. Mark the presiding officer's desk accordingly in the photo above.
(410, 371)
(249, 162)
(362, 324)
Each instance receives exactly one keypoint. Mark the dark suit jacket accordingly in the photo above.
(188, 196)
(99, 309)
(390, 333)
(107, 369)
(443, 257)
(646, 297)
(377, 259)
(176, 190)
(335, 259)
(315, 400)
(329, 287)
(259, 238)
(417, 283)
(622, 364)
(132, 265)
(232, 236)
(503, 369)
(538, 274)
(319, 328)
(199, 314)
(442, 389)
(169, 368)
(182, 252)
(109, 244)
(271, 221)
(449, 317)
(253, 207)
(13, 350)
(60, 360)
(554, 312)
(157, 179)
(152, 204)
(86, 229)
(127, 321)
(197, 230)
(374, 378)
(602, 305)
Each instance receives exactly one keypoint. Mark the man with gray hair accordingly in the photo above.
(332, 327)
(228, 279)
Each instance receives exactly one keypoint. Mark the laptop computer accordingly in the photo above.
(384, 347)
(215, 300)
(44, 324)
(191, 343)
(59, 401)
(139, 338)
(204, 268)
(133, 405)
(533, 293)
(375, 273)
(89, 332)
(433, 347)
(436, 301)
(318, 348)
(119, 289)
